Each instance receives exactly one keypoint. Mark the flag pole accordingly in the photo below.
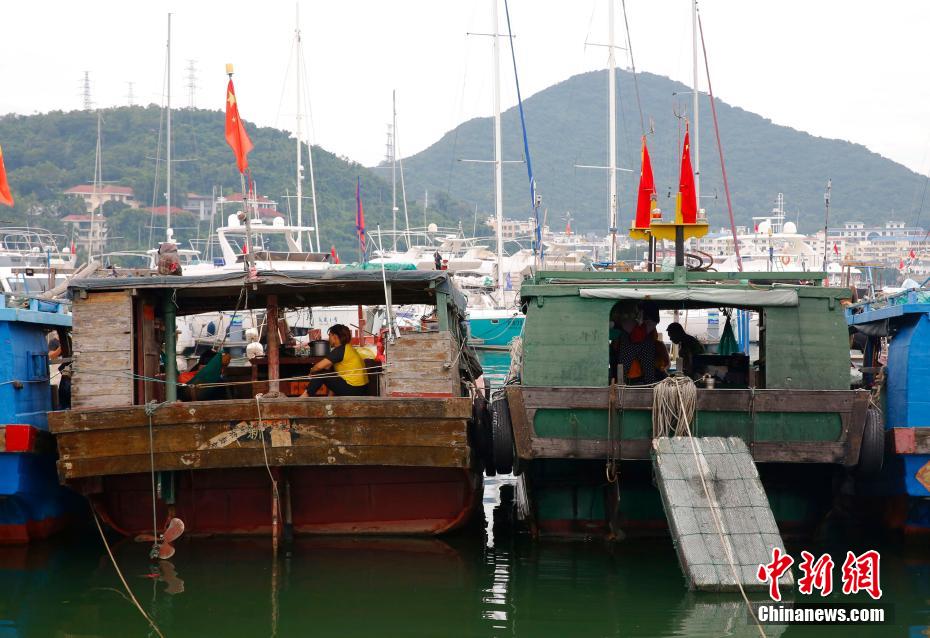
(249, 258)
(826, 221)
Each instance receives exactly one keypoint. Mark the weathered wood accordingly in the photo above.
(321, 433)
(245, 409)
(422, 362)
(522, 426)
(271, 318)
(251, 455)
(102, 339)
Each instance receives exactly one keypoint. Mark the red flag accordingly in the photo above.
(836, 249)
(568, 226)
(5, 196)
(646, 201)
(236, 136)
(911, 254)
(901, 265)
(333, 254)
(686, 196)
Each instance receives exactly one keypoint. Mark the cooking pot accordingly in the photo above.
(319, 348)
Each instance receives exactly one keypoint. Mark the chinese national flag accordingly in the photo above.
(236, 136)
(687, 198)
(836, 249)
(334, 256)
(645, 202)
(5, 196)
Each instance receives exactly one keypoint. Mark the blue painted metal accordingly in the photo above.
(32, 503)
(493, 331)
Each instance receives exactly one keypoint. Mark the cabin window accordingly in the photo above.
(648, 341)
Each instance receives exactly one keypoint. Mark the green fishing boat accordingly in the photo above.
(581, 434)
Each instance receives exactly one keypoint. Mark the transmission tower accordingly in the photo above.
(85, 93)
(389, 146)
(191, 83)
(130, 96)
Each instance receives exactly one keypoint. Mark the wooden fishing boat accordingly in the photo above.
(249, 453)
(584, 446)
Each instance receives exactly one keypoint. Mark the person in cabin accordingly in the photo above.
(688, 346)
(650, 311)
(633, 347)
(350, 378)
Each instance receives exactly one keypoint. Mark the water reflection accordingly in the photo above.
(499, 583)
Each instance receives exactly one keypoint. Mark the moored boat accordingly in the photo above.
(32, 503)
(583, 444)
(243, 452)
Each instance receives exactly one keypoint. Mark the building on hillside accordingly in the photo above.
(857, 231)
(96, 196)
(87, 230)
(203, 206)
(516, 228)
(162, 211)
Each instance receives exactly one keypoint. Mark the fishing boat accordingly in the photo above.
(571, 428)
(892, 333)
(243, 452)
(32, 503)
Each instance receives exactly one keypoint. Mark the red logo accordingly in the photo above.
(771, 572)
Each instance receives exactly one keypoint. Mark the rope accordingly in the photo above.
(676, 398)
(150, 408)
(274, 482)
(120, 574)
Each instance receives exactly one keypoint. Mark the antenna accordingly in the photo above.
(85, 92)
(130, 96)
(191, 83)
(826, 219)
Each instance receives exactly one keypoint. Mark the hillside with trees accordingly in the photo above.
(567, 126)
(49, 153)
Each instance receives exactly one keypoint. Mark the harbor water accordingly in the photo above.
(480, 582)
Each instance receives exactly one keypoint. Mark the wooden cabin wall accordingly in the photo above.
(422, 364)
(102, 342)
(566, 342)
(807, 347)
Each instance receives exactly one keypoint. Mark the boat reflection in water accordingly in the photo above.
(461, 585)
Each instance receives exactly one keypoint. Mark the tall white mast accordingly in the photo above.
(696, 108)
(168, 151)
(394, 165)
(98, 178)
(300, 186)
(498, 167)
(612, 132)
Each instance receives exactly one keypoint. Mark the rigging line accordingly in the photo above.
(723, 169)
(526, 144)
(461, 107)
(629, 45)
(161, 125)
(287, 73)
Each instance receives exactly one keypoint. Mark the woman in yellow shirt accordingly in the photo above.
(350, 378)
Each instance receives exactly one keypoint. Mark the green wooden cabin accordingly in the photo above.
(794, 408)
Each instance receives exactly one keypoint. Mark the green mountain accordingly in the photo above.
(567, 126)
(46, 154)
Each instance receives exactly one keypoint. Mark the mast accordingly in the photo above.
(498, 167)
(695, 108)
(98, 178)
(394, 166)
(168, 151)
(612, 133)
(300, 187)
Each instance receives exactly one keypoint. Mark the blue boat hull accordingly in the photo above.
(32, 503)
(495, 332)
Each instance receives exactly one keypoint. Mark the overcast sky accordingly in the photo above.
(836, 68)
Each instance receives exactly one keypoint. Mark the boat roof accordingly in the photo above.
(221, 291)
(680, 288)
(894, 308)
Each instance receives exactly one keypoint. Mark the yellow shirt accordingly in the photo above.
(349, 366)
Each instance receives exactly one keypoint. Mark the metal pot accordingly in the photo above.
(319, 348)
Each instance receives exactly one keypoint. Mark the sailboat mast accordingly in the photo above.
(98, 178)
(498, 166)
(168, 150)
(695, 108)
(612, 132)
(300, 188)
(394, 165)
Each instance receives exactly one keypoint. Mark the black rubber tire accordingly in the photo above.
(502, 435)
(482, 440)
(872, 450)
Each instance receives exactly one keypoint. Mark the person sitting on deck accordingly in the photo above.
(688, 346)
(350, 378)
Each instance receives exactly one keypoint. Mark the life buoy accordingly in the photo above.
(785, 260)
